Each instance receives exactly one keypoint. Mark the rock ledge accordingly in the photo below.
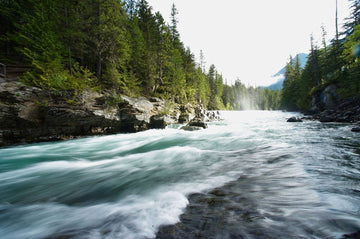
(29, 114)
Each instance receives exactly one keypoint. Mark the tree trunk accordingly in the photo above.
(99, 68)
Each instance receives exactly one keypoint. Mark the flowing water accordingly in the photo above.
(304, 177)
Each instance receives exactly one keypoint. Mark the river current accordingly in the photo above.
(301, 180)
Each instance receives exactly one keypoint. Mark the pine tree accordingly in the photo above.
(354, 18)
(11, 15)
(291, 86)
(202, 61)
(39, 40)
(174, 22)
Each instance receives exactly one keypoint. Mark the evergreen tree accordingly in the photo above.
(354, 18)
(124, 44)
(290, 90)
(174, 22)
(39, 39)
(11, 15)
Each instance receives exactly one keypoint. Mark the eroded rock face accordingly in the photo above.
(29, 114)
(329, 96)
(328, 106)
(347, 111)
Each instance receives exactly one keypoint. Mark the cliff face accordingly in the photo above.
(29, 114)
(327, 106)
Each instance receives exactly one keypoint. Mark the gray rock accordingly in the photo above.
(184, 118)
(191, 128)
(212, 116)
(198, 123)
(29, 114)
(357, 130)
(329, 97)
(158, 122)
(326, 119)
(294, 119)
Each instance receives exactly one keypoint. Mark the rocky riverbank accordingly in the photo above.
(29, 114)
(328, 106)
(347, 111)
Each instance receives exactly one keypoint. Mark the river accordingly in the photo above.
(252, 175)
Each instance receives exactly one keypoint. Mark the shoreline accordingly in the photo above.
(31, 115)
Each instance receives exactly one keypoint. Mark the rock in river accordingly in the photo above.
(294, 119)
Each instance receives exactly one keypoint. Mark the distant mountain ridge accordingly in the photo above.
(281, 73)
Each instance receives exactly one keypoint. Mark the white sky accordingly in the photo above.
(252, 40)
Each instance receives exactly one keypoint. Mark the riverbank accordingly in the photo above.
(345, 111)
(30, 114)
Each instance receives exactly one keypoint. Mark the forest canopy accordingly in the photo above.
(116, 46)
(336, 64)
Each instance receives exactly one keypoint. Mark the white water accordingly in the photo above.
(128, 185)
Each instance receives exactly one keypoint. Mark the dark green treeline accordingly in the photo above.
(113, 45)
(337, 64)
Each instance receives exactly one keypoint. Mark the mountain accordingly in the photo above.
(280, 75)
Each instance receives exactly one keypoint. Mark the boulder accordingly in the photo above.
(213, 116)
(158, 122)
(328, 97)
(187, 113)
(324, 98)
(198, 123)
(191, 128)
(184, 118)
(356, 129)
(326, 119)
(195, 124)
(294, 119)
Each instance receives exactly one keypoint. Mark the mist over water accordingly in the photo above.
(128, 185)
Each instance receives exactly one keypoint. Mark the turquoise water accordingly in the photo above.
(128, 185)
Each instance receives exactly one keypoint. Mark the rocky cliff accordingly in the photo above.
(29, 114)
(328, 106)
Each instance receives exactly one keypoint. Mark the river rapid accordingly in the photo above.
(266, 177)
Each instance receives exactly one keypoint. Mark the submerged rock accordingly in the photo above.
(357, 130)
(294, 119)
(326, 119)
(198, 123)
(191, 128)
(195, 124)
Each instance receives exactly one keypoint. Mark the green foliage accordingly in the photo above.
(240, 97)
(169, 107)
(121, 46)
(337, 64)
(115, 99)
(51, 75)
(291, 87)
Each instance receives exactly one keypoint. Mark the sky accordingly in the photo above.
(252, 40)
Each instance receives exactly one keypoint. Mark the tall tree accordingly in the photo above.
(290, 91)
(39, 40)
(353, 19)
(174, 22)
(202, 61)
